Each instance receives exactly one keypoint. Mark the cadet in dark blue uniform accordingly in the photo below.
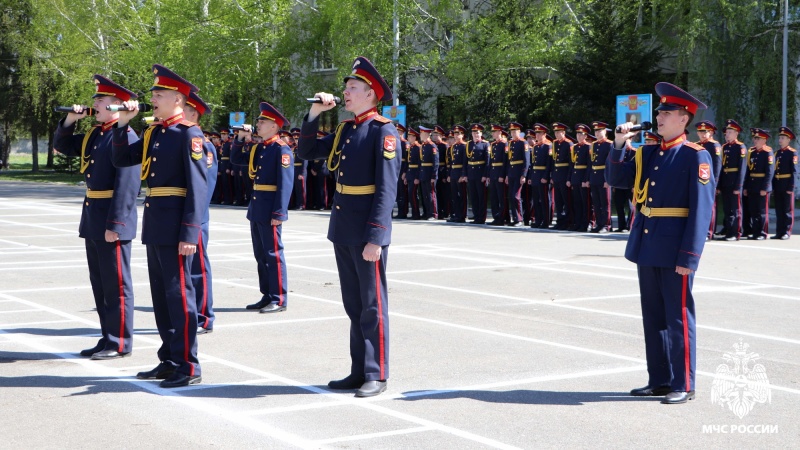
(560, 176)
(579, 179)
(477, 173)
(108, 218)
(518, 162)
(271, 167)
(216, 141)
(442, 185)
(428, 172)
(601, 192)
(527, 188)
(457, 175)
(299, 197)
(201, 265)
(363, 155)
(758, 184)
(731, 181)
(539, 177)
(225, 168)
(402, 189)
(174, 165)
(318, 173)
(412, 175)
(498, 189)
(674, 191)
(783, 184)
(705, 131)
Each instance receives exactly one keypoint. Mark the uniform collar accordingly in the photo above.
(173, 120)
(107, 126)
(673, 143)
(274, 138)
(363, 117)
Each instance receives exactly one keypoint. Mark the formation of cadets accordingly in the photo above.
(523, 179)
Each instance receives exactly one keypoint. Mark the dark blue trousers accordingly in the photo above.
(402, 199)
(542, 212)
(458, 198)
(561, 200)
(758, 207)
(732, 206)
(366, 302)
(201, 280)
(477, 197)
(498, 200)
(581, 200)
(174, 306)
(669, 327)
(268, 250)
(112, 287)
(602, 212)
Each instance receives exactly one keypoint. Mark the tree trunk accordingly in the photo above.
(34, 147)
(6, 151)
(50, 153)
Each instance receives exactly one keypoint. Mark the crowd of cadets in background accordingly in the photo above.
(528, 178)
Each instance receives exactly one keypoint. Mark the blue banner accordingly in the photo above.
(396, 113)
(237, 118)
(635, 108)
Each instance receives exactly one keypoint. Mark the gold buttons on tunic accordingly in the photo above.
(646, 231)
(650, 199)
(147, 205)
(337, 207)
(154, 159)
(652, 183)
(344, 156)
(153, 174)
(341, 174)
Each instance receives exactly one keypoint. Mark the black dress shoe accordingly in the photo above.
(371, 388)
(91, 351)
(675, 398)
(349, 382)
(161, 372)
(258, 305)
(201, 330)
(110, 354)
(649, 391)
(496, 223)
(478, 222)
(527, 223)
(272, 308)
(180, 380)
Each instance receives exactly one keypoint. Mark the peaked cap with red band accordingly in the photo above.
(582, 128)
(558, 126)
(104, 86)
(400, 127)
(197, 103)
(786, 131)
(166, 79)
(459, 129)
(539, 128)
(673, 98)
(439, 130)
(732, 125)
(476, 127)
(597, 125)
(270, 112)
(706, 125)
(364, 70)
(424, 129)
(413, 132)
(496, 127)
(514, 126)
(760, 133)
(530, 133)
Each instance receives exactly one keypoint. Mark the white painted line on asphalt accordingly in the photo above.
(361, 437)
(27, 324)
(273, 322)
(295, 408)
(202, 387)
(20, 311)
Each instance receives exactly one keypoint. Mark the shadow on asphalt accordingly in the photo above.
(529, 397)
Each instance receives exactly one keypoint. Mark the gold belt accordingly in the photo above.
(516, 163)
(562, 164)
(598, 167)
(165, 192)
(477, 163)
(501, 164)
(225, 158)
(426, 165)
(265, 187)
(457, 166)
(784, 175)
(99, 194)
(413, 166)
(582, 167)
(758, 175)
(664, 212)
(539, 167)
(298, 164)
(355, 190)
(733, 169)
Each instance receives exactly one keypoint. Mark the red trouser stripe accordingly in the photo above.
(382, 358)
(185, 314)
(791, 221)
(434, 206)
(278, 261)
(608, 209)
(687, 355)
(739, 222)
(200, 250)
(120, 283)
(303, 181)
(766, 214)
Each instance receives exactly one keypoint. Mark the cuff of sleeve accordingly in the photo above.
(688, 260)
(375, 233)
(116, 227)
(189, 233)
(617, 155)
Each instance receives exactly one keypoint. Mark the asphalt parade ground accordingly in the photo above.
(500, 338)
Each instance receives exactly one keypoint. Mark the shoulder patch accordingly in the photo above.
(704, 173)
(286, 160)
(770, 159)
(197, 148)
(743, 150)
(381, 119)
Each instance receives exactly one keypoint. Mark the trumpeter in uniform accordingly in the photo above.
(674, 190)
(363, 155)
(172, 156)
(108, 216)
